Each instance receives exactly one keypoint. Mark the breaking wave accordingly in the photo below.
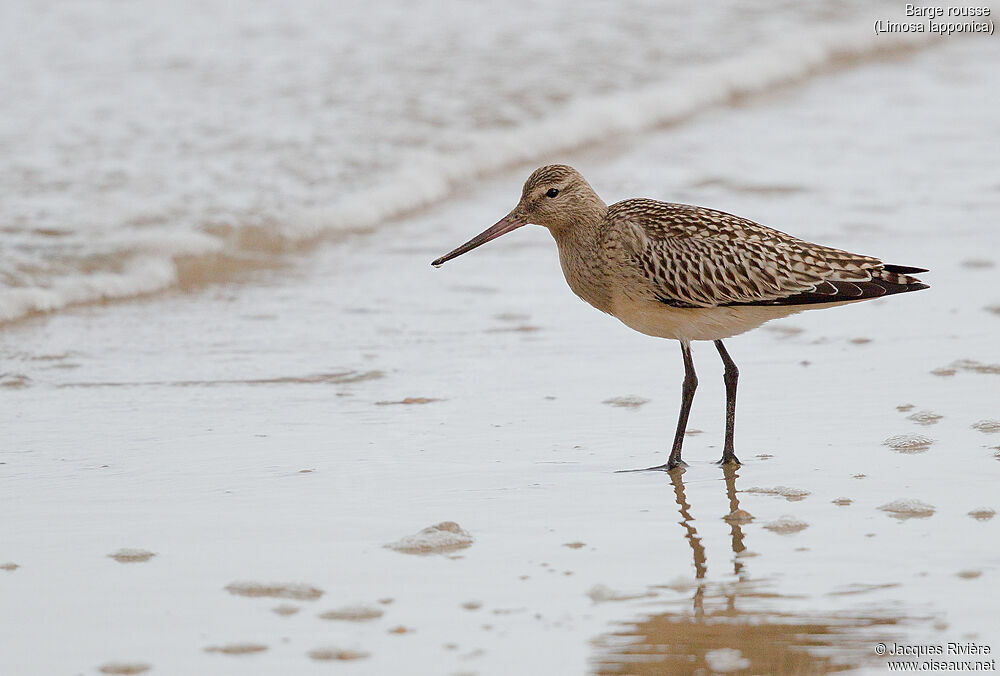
(205, 247)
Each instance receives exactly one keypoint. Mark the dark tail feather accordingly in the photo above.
(896, 279)
(903, 270)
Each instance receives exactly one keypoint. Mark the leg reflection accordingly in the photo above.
(691, 535)
(697, 549)
(736, 518)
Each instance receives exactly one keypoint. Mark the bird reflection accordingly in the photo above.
(732, 626)
(735, 518)
(697, 549)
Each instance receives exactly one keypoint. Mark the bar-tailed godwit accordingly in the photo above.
(688, 273)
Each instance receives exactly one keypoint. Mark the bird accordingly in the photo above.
(688, 273)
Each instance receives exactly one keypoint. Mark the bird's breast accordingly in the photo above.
(587, 274)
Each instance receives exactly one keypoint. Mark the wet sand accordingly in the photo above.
(240, 433)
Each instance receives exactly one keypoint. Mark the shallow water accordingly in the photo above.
(148, 146)
(236, 432)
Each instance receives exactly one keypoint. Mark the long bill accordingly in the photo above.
(502, 227)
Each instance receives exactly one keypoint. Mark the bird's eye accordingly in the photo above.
(552, 192)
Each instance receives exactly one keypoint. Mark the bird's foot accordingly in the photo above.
(728, 459)
(666, 467)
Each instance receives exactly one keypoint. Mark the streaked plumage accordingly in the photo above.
(686, 272)
(697, 257)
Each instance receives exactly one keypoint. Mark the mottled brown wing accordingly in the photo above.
(696, 257)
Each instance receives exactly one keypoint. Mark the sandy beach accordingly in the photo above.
(222, 478)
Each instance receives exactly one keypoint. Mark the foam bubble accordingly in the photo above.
(278, 590)
(908, 509)
(446, 536)
(353, 614)
(786, 525)
(908, 443)
(131, 555)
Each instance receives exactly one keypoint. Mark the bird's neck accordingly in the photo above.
(582, 257)
(582, 224)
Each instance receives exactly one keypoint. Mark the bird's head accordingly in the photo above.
(555, 196)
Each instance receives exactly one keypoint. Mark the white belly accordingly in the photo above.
(687, 324)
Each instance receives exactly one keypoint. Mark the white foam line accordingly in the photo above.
(428, 178)
(147, 263)
(150, 263)
(139, 276)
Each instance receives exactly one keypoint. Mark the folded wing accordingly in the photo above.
(696, 257)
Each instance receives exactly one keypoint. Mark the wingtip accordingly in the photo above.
(904, 269)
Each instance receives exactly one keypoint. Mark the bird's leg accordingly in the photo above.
(731, 377)
(687, 396)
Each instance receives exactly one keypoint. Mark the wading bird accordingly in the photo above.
(688, 273)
